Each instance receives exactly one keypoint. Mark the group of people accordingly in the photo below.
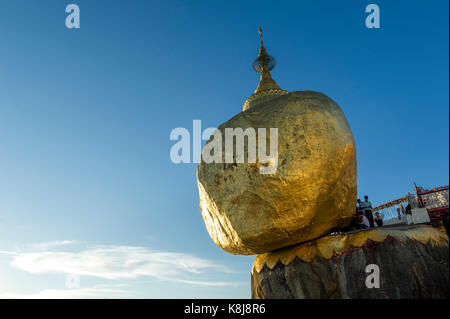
(364, 217)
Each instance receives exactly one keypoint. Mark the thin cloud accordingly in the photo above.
(54, 244)
(117, 262)
(207, 283)
(80, 293)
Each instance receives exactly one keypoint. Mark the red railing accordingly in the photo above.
(435, 201)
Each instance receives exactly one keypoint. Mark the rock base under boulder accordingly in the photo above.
(413, 262)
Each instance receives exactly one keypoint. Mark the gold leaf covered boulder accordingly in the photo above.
(313, 189)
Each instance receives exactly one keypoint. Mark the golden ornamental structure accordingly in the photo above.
(267, 88)
(312, 191)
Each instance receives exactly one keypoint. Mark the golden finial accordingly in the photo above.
(267, 87)
(263, 61)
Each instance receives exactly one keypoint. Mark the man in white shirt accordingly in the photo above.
(362, 221)
(365, 221)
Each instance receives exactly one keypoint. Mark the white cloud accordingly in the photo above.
(208, 283)
(54, 244)
(116, 263)
(80, 293)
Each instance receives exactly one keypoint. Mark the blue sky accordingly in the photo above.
(86, 180)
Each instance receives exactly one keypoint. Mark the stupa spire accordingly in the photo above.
(263, 64)
(267, 87)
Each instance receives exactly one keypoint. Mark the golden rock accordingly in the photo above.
(313, 189)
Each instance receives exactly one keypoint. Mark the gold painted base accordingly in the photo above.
(331, 245)
(412, 262)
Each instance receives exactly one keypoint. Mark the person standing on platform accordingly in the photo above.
(367, 207)
(358, 206)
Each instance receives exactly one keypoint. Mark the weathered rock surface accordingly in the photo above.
(312, 191)
(413, 263)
